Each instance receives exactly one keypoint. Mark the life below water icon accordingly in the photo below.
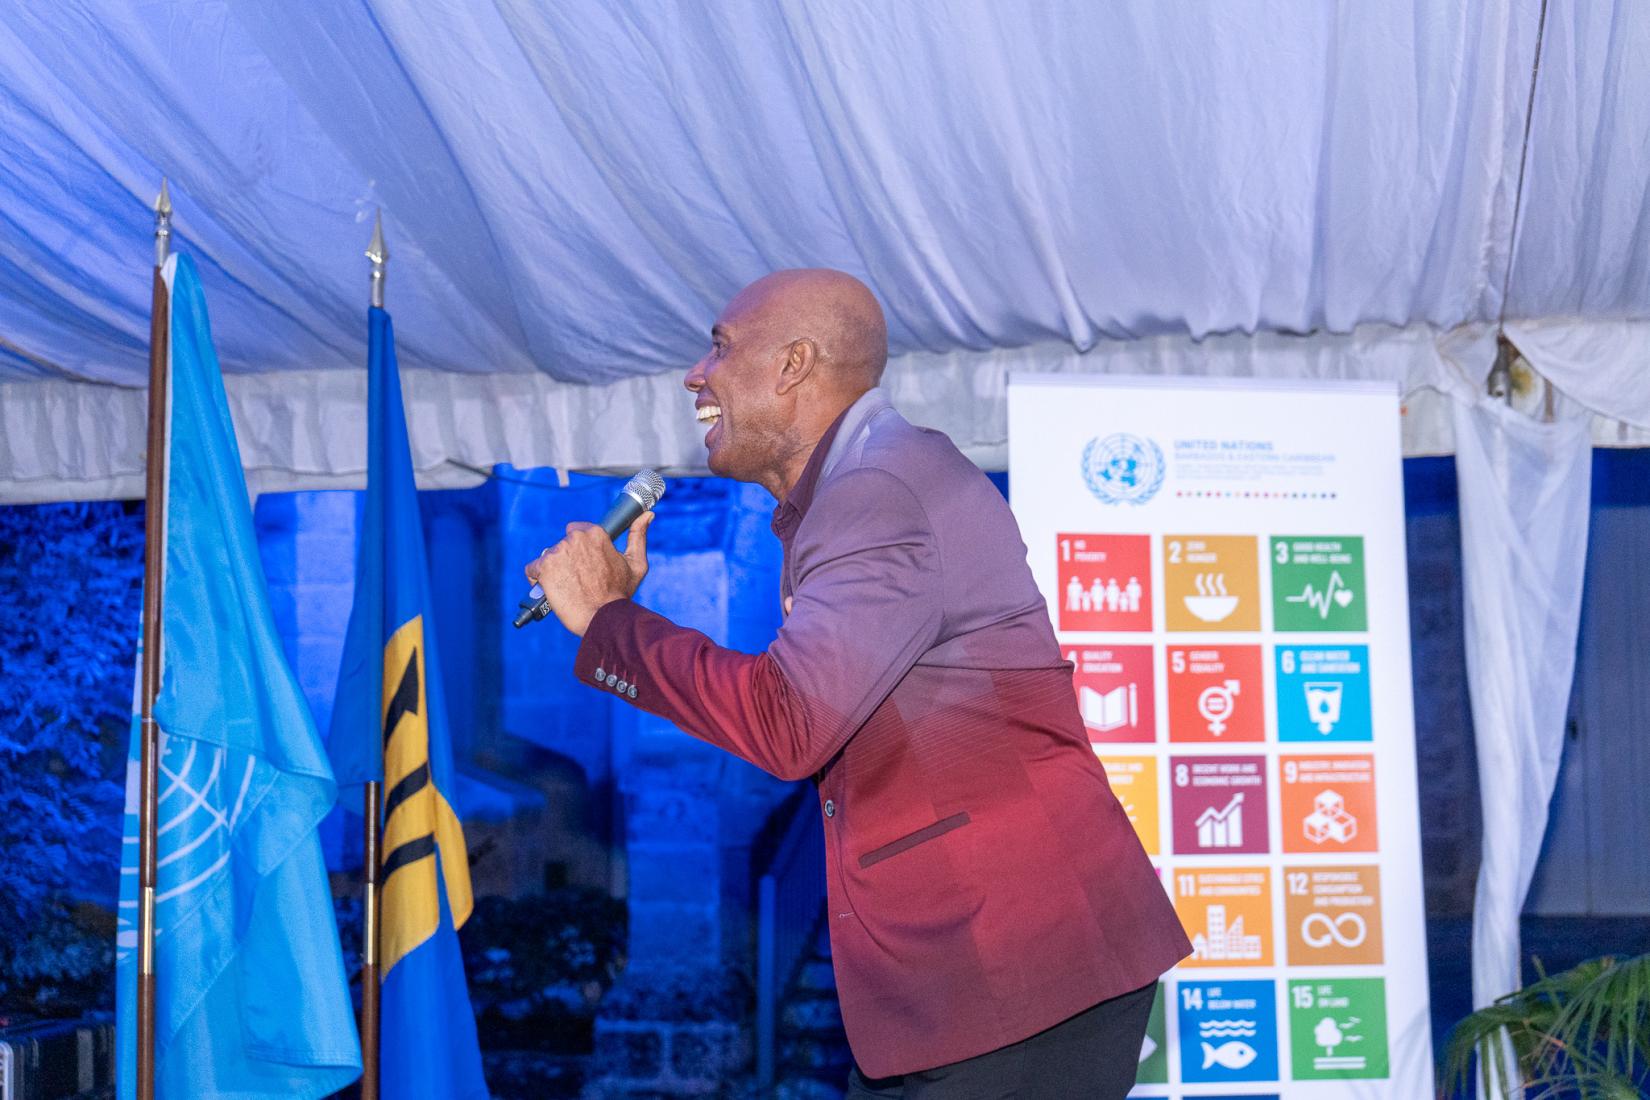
(1234, 1053)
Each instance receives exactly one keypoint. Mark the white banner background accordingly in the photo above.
(1211, 473)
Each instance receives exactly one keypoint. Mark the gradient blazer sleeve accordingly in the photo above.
(867, 604)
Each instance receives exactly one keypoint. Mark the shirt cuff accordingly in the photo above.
(600, 652)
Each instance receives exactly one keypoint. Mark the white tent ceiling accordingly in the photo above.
(572, 190)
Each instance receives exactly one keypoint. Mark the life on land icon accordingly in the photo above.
(1337, 1028)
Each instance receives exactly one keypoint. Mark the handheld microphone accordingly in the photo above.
(639, 495)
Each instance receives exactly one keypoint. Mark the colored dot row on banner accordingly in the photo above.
(1228, 1032)
(1210, 582)
(1219, 804)
(1217, 693)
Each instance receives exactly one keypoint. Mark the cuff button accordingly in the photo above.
(612, 679)
(632, 691)
(601, 673)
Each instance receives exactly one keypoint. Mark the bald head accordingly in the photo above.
(788, 354)
(833, 310)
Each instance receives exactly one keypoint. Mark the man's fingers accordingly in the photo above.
(635, 549)
(579, 525)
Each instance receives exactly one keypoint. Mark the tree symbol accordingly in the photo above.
(1328, 1035)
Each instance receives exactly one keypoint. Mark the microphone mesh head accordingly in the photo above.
(647, 486)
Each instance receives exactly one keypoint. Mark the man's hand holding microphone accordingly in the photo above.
(584, 571)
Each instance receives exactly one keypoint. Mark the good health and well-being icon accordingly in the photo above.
(1318, 583)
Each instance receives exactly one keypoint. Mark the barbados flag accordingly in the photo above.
(389, 723)
(250, 994)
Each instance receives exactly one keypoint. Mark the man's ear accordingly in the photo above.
(800, 359)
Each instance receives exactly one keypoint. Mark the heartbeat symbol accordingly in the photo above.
(1337, 591)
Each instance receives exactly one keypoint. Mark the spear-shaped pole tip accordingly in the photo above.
(379, 254)
(163, 223)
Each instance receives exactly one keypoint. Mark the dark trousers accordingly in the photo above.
(1092, 1056)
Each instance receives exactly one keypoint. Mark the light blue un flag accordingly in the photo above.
(389, 723)
(252, 999)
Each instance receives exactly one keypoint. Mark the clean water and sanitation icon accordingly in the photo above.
(1323, 693)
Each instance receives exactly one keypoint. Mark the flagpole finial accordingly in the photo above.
(379, 255)
(163, 223)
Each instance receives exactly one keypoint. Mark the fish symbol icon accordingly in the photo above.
(1232, 1054)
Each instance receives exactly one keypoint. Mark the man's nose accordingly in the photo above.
(695, 379)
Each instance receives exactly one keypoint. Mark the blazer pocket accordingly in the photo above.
(911, 840)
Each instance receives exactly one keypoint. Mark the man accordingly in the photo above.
(996, 928)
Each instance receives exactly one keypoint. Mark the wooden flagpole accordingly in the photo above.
(154, 580)
(372, 811)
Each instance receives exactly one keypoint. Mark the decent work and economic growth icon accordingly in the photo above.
(1219, 804)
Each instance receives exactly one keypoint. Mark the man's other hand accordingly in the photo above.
(584, 572)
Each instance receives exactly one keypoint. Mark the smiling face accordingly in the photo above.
(737, 392)
(787, 355)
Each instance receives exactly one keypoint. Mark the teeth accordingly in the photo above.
(708, 412)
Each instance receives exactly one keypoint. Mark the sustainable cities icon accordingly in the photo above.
(1123, 468)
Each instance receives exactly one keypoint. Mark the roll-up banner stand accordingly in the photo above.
(1224, 566)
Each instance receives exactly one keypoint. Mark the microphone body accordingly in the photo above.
(639, 495)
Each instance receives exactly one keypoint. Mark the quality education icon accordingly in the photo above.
(1123, 469)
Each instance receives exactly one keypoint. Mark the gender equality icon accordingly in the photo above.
(1216, 693)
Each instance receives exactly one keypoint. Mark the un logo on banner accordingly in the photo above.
(1123, 469)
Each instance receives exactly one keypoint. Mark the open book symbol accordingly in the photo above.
(1109, 710)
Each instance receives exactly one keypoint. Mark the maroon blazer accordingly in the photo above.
(984, 883)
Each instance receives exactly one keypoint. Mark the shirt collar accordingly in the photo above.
(825, 455)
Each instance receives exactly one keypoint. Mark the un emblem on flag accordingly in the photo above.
(1123, 469)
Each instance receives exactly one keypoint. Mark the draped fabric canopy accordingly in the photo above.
(571, 191)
